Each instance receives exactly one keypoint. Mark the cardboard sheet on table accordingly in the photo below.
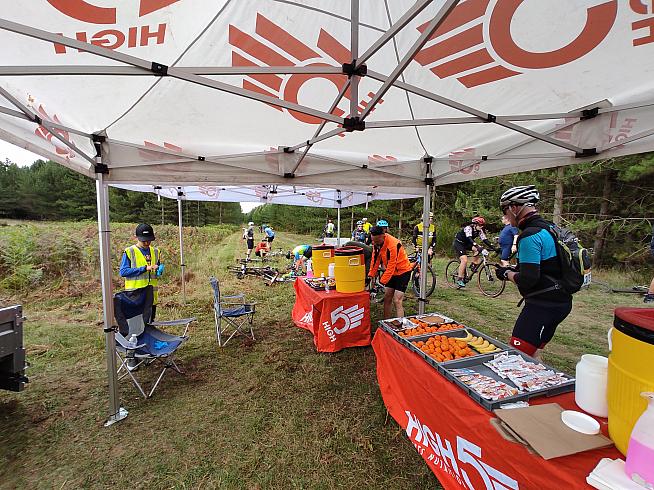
(541, 427)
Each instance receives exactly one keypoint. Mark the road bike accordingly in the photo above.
(487, 281)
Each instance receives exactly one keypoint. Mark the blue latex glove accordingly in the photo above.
(160, 270)
(158, 344)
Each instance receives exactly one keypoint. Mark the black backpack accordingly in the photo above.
(574, 261)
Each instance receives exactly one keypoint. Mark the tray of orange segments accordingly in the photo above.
(423, 328)
(454, 345)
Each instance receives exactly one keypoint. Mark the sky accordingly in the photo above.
(23, 158)
(17, 155)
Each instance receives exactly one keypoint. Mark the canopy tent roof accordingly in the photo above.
(268, 194)
(219, 92)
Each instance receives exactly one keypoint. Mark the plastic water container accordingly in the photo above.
(590, 387)
(322, 256)
(133, 341)
(330, 270)
(350, 270)
(640, 455)
(631, 370)
(309, 269)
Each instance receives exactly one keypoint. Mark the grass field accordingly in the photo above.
(268, 414)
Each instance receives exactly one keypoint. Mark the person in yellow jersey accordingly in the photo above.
(141, 264)
(417, 236)
(367, 226)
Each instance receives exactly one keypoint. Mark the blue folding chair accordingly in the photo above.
(232, 314)
(153, 345)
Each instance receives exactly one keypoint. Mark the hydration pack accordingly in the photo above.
(574, 260)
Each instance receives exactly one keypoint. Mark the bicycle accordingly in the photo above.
(269, 274)
(416, 258)
(487, 281)
(377, 290)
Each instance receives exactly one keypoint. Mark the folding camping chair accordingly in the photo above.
(236, 313)
(153, 345)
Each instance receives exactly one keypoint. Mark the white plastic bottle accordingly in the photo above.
(309, 269)
(133, 341)
(591, 383)
(330, 269)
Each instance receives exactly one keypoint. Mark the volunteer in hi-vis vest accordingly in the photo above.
(417, 236)
(140, 265)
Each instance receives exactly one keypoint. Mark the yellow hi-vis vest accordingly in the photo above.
(367, 226)
(147, 278)
(432, 229)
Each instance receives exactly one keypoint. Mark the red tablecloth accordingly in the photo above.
(336, 320)
(454, 436)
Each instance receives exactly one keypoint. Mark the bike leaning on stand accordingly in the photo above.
(488, 283)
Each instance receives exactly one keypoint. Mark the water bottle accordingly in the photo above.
(309, 269)
(640, 454)
(133, 341)
(330, 269)
(322, 276)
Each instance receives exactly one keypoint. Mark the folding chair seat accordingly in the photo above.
(233, 314)
(153, 346)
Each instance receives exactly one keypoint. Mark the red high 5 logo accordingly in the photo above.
(264, 48)
(95, 14)
(42, 132)
(489, 24)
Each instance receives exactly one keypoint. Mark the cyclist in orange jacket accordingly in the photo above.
(389, 252)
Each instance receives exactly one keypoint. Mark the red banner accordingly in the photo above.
(454, 436)
(336, 320)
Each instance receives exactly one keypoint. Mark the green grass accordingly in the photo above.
(268, 414)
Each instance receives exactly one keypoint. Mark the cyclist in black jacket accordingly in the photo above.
(546, 306)
(464, 242)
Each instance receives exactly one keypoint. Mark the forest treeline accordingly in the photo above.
(49, 191)
(609, 204)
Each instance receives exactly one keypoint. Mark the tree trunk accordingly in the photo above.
(600, 235)
(399, 223)
(558, 196)
(352, 222)
(220, 213)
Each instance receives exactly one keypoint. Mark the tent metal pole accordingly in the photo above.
(354, 50)
(116, 412)
(438, 19)
(338, 220)
(425, 245)
(181, 243)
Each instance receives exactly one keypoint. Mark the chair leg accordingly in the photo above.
(251, 320)
(218, 328)
(163, 371)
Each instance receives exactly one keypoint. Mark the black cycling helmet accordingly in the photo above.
(523, 194)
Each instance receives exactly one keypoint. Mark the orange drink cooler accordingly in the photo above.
(631, 370)
(321, 257)
(349, 270)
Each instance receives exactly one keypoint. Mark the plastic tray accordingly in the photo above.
(477, 363)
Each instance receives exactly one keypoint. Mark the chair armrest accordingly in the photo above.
(174, 323)
(241, 295)
(181, 321)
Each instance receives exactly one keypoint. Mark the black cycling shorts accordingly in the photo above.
(270, 239)
(250, 243)
(399, 283)
(536, 325)
(460, 248)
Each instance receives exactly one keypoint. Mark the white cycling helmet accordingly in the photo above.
(523, 194)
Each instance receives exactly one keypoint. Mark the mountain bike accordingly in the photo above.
(377, 290)
(418, 267)
(487, 281)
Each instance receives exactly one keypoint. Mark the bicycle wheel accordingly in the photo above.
(451, 273)
(488, 283)
(431, 281)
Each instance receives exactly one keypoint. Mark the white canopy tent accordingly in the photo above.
(393, 96)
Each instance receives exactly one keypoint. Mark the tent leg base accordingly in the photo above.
(117, 417)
